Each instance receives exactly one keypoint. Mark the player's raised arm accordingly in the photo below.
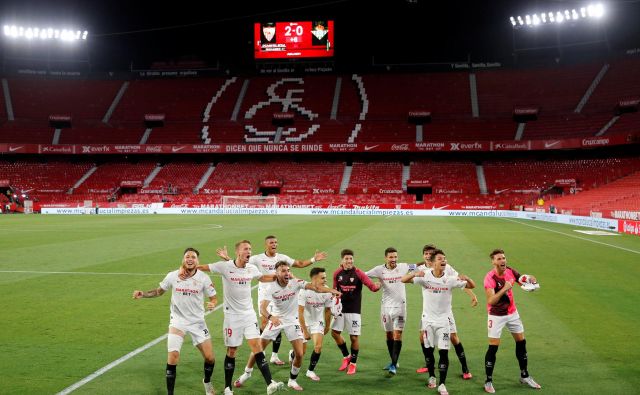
(267, 278)
(470, 283)
(408, 278)
(318, 256)
(223, 253)
(322, 289)
(148, 294)
(375, 287)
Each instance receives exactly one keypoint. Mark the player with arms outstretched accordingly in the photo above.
(239, 316)
(437, 292)
(266, 263)
(393, 308)
(283, 295)
(187, 315)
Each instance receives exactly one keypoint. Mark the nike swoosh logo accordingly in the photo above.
(176, 149)
(11, 149)
(367, 147)
(497, 192)
(438, 208)
(549, 145)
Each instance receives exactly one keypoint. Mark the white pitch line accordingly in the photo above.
(90, 273)
(122, 359)
(574, 236)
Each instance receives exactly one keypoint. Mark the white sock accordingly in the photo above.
(294, 370)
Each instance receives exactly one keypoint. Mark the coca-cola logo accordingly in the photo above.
(153, 148)
(595, 141)
(631, 227)
(400, 147)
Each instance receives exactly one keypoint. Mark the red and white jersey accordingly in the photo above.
(449, 271)
(393, 291)
(187, 296)
(236, 283)
(506, 305)
(314, 304)
(267, 265)
(437, 294)
(284, 300)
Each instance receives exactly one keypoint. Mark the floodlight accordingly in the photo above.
(535, 19)
(543, 16)
(583, 12)
(559, 17)
(527, 18)
(598, 10)
(31, 32)
(512, 19)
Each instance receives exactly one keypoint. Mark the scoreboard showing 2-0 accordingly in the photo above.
(287, 40)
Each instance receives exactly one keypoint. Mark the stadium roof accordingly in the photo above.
(393, 32)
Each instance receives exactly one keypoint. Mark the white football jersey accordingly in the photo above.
(267, 265)
(314, 304)
(437, 295)
(393, 291)
(284, 300)
(236, 283)
(187, 296)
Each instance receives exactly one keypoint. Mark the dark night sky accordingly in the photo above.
(391, 30)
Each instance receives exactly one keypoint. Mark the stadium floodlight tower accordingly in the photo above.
(43, 47)
(591, 11)
(558, 29)
(29, 33)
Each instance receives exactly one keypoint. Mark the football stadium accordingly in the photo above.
(187, 190)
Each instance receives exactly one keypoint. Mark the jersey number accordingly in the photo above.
(490, 323)
(229, 332)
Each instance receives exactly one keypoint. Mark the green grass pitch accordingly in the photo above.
(581, 327)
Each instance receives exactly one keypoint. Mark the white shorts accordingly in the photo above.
(291, 331)
(495, 323)
(352, 322)
(436, 335)
(452, 324)
(198, 331)
(393, 318)
(235, 327)
(316, 327)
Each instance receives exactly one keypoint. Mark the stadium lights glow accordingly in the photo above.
(591, 11)
(49, 33)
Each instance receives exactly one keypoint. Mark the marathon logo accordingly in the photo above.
(430, 146)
